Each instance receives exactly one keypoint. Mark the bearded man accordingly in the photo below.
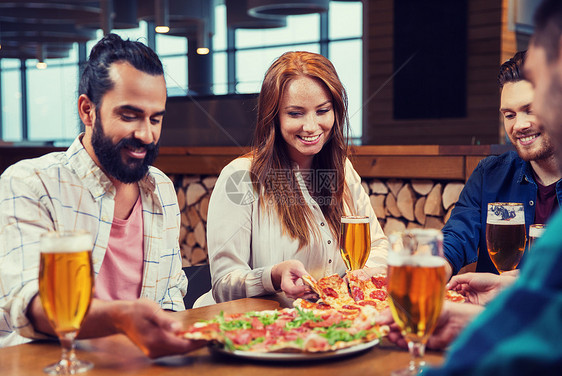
(103, 184)
(529, 176)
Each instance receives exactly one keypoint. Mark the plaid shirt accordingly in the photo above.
(68, 191)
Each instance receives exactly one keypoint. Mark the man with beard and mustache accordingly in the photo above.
(103, 184)
(529, 176)
(520, 331)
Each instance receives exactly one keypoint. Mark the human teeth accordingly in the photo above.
(528, 138)
(310, 138)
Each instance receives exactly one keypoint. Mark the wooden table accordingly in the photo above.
(116, 355)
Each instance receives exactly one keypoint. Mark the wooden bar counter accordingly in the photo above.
(116, 355)
(454, 162)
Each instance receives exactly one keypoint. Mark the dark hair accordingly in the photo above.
(270, 150)
(511, 70)
(548, 28)
(95, 81)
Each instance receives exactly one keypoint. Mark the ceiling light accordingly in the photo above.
(162, 16)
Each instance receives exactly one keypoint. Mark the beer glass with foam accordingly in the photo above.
(355, 241)
(535, 232)
(505, 234)
(416, 287)
(65, 289)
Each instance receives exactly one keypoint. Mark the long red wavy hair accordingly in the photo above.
(280, 191)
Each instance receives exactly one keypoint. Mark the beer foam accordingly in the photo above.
(536, 232)
(62, 243)
(354, 219)
(519, 220)
(427, 261)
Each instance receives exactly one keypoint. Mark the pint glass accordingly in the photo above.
(416, 287)
(535, 232)
(65, 289)
(505, 234)
(355, 241)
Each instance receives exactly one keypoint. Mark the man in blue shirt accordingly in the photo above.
(530, 176)
(520, 331)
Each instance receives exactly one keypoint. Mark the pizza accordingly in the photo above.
(341, 318)
(454, 296)
(370, 291)
(350, 297)
(288, 330)
(332, 290)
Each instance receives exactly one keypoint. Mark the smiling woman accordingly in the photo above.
(296, 183)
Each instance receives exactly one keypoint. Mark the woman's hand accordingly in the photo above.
(367, 273)
(287, 277)
(480, 288)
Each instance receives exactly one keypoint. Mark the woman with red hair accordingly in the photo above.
(275, 213)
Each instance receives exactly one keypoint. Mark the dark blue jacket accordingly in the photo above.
(503, 178)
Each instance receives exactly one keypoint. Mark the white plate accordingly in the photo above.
(296, 356)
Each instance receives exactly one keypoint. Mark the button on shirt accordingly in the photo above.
(67, 191)
(503, 178)
(245, 237)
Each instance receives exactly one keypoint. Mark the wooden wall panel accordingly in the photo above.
(489, 43)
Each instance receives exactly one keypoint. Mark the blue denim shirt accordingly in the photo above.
(503, 178)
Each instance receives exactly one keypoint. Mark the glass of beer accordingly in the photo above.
(535, 232)
(505, 234)
(355, 241)
(65, 289)
(416, 287)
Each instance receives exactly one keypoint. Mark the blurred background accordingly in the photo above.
(416, 72)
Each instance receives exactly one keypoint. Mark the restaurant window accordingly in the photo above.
(11, 100)
(239, 64)
(173, 53)
(51, 100)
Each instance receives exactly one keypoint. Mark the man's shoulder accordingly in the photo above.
(158, 175)
(510, 158)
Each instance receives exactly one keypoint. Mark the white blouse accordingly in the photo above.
(245, 240)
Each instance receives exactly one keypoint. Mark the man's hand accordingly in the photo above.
(287, 277)
(452, 320)
(152, 329)
(480, 288)
(395, 335)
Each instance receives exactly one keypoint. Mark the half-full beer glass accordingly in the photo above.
(65, 289)
(505, 234)
(535, 232)
(416, 287)
(355, 242)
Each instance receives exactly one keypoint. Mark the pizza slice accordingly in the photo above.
(369, 292)
(454, 296)
(332, 290)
